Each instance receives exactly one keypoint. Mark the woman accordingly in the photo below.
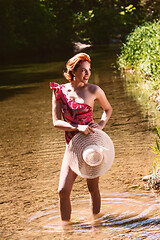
(75, 101)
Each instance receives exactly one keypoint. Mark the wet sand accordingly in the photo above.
(32, 151)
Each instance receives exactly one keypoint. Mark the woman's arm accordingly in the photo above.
(58, 123)
(102, 100)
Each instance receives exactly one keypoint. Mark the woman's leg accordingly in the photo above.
(93, 188)
(67, 178)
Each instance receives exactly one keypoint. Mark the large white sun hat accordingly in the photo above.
(91, 155)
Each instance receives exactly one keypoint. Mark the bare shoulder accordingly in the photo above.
(95, 89)
(92, 88)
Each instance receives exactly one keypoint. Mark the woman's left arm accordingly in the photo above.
(104, 103)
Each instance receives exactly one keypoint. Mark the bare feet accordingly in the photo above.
(66, 225)
(96, 219)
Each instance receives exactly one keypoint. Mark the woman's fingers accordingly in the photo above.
(93, 124)
(86, 129)
(91, 130)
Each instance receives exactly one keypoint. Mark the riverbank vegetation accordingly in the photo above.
(153, 180)
(47, 28)
(140, 56)
(141, 53)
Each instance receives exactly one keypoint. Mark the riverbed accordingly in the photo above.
(32, 151)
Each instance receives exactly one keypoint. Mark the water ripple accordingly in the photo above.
(136, 215)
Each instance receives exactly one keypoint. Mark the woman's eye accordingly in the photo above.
(86, 70)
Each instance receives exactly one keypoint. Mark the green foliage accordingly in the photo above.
(25, 27)
(156, 146)
(32, 28)
(128, 9)
(41, 27)
(104, 21)
(154, 181)
(151, 8)
(141, 52)
(104, 25)
(62, 21)
(81, 19)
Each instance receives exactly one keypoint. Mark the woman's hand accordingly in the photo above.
(93, 124)
(86, 129)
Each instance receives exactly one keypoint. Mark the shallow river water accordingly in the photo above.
(32, 150)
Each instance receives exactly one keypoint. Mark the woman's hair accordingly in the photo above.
(73, 63)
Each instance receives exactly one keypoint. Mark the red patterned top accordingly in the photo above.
(73, 112)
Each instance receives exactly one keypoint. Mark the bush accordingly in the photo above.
(153, 182)
(141, 52)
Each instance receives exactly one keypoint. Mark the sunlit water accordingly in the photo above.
(32, 151)
(125, 216)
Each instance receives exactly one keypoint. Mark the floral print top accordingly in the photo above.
(73, 112)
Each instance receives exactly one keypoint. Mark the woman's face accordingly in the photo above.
(83, 72)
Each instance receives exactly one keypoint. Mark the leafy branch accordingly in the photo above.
(156, 148)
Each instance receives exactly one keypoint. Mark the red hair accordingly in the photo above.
(73, 63)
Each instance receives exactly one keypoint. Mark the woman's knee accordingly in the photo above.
(63, 192)
(66, 181)
(94, 192)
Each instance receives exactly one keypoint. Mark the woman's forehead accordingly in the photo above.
(85, 65)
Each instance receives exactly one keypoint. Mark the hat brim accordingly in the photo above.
(75, 153)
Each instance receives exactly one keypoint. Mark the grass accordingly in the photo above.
(141, 54)
(154, 181)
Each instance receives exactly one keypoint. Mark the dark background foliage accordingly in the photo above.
(43, 29)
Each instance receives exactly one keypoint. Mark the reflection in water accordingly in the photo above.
(140, 94)
(136, 215)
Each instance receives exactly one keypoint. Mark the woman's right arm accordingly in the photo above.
(63, 125)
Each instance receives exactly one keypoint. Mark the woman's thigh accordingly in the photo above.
(67, 176)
